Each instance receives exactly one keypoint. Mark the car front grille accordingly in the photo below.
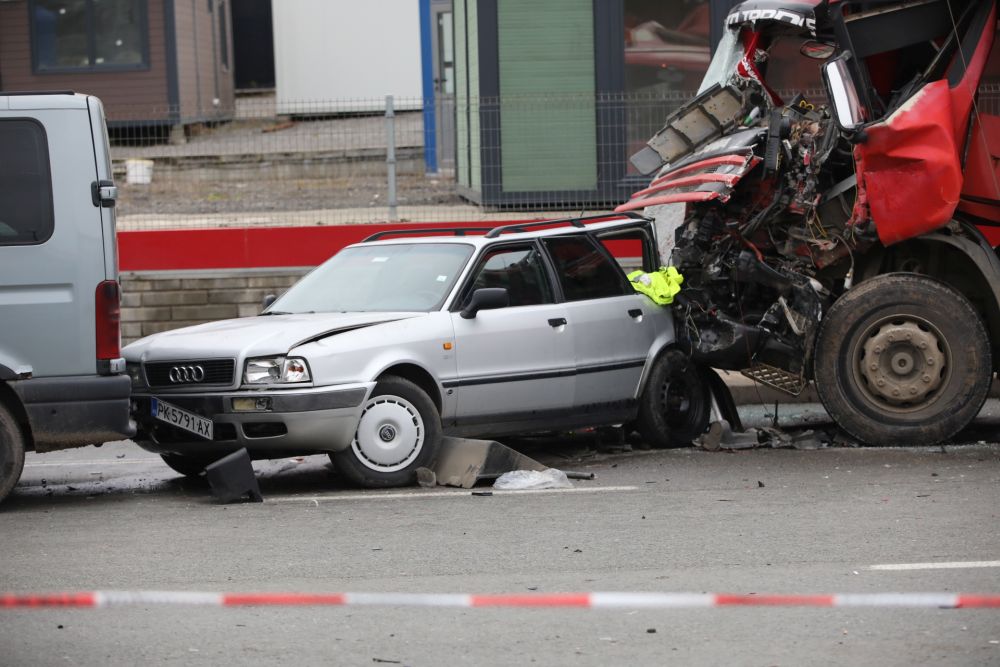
(212, 372)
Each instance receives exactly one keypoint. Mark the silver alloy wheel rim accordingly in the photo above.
(390, 434)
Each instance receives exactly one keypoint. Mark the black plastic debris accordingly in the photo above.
(232, 479)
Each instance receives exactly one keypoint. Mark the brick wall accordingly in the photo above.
(164, 300)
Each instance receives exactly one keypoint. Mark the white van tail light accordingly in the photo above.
(107, 309)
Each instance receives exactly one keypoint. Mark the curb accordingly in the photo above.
(750, 392)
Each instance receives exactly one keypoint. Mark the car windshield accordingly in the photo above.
(379, 278)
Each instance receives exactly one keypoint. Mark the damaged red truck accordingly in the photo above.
(841, 188)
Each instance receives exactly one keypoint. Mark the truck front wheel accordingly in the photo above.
(11, 451)
(902, 360)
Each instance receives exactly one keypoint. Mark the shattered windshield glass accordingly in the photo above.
(781, 64)
(723, 65)
(379, 278)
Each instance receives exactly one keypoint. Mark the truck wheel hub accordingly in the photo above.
(903, 363)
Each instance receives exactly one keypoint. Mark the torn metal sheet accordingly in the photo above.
(464, 461)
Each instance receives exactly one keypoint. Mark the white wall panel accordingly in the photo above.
(345, 55)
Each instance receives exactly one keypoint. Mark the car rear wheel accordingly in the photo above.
(189, 466)
(399, 431)
(902, 360)
(11, 451)
(675, 405)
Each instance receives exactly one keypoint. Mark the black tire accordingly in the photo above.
(187, 465)
(11, 451)
(902, 359)
(399, 431)
(676, 403)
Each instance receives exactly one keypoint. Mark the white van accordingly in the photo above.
(61, 372)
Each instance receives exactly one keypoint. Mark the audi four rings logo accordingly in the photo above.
(180, 374)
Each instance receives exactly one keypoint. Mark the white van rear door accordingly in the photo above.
(48, 277)
(106, 192)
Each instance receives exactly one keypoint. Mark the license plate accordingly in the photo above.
(182, 419)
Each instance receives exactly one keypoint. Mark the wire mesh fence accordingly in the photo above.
(329, 162)
(359, 161)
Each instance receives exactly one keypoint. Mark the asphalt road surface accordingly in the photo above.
(760, 521)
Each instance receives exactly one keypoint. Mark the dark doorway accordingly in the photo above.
(253, 44)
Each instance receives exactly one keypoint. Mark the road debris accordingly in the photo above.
(524, 480)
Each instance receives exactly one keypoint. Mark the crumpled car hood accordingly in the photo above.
(251, 336)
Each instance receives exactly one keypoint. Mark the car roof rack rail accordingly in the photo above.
(579, 223)
(493, 232)
(454, 231)
(14, 93)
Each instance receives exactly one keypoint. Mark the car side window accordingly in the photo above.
(584, 271)
(26, 215)
(516, 268)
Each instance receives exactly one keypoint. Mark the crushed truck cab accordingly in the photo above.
(842, 205)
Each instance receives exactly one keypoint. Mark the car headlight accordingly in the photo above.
(272, 370)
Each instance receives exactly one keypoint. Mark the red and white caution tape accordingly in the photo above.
(552, 600)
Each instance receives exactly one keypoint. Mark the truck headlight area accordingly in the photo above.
(271, 370)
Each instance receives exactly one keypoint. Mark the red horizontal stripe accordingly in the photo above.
(978, 601)
(55, 600)
(553, 600)
(247, 247)
(283, 599)
(729, 600)
(258, 247)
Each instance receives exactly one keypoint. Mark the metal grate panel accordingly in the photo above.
(777, 378)
(217, 372)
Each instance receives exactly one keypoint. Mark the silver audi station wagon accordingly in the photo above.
(410, 335)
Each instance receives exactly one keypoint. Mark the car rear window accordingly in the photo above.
(25, 183)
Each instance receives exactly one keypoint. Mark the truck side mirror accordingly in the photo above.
(843, 94)
(485, 298)
(268, 300)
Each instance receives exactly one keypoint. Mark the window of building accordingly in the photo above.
(585, 272)
(89, 34)
(25, 184)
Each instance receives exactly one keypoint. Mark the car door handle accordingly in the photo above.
(557, 322)
(635, 313)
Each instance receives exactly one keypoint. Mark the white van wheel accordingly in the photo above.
(11, 451)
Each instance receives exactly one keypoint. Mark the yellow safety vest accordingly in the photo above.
(660, 286)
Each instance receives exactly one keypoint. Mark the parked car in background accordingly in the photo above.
(62, 381)
(393, 342)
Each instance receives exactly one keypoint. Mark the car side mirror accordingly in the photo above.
(268, 300)
(843, 94)
(485, 298)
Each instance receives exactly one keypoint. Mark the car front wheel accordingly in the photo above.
(399, 431)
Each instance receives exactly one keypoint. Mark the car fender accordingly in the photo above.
(364, 355)
(663, 342)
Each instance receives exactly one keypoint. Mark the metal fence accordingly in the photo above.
(330, 162)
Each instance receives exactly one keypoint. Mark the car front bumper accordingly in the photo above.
(297, 421)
